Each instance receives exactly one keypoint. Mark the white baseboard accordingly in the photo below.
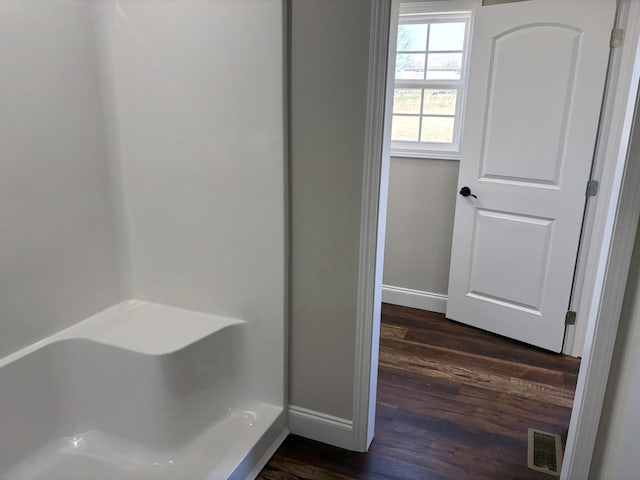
(321, 427)
(407, 297)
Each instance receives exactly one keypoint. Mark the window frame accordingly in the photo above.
(435, 12)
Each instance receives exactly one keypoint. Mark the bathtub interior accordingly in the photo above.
(220, 453)
(134, 401)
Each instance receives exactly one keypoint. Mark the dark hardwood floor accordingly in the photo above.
(454, 402)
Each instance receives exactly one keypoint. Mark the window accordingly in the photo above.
(430, 71)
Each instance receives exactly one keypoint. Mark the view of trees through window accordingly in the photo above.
(428, 78)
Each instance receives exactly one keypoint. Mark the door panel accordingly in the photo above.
(500, 268)
(537, 73)
(538, 61)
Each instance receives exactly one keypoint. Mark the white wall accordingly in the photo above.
(420, 212)
(58, 246)
(198, 93)
(329, 62)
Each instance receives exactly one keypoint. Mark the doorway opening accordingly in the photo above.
(510, 244)
(490, 270)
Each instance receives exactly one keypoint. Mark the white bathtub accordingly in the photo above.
(138, 391)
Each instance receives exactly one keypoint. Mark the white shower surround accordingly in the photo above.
(143, 158)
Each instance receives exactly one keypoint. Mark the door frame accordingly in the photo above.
(612, 220)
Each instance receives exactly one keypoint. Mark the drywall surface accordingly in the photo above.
(616, 451)
(58, 247)
(197, 88)
(329, 62)
(420, 212)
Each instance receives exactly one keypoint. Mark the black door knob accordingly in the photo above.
(466, 192)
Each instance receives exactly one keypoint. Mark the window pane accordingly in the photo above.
(446, 36)
(405, 128)
(407, 100)
(444, 66)
(410, 66)
(437, 129)
(412, 37)
(439, 102)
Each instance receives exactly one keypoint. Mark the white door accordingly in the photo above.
(536, 78)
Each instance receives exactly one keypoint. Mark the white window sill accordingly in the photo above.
(407, 152)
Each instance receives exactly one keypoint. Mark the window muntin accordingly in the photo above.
(429, 83)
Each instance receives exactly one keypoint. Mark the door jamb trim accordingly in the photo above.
(372, 227)
(613, 238)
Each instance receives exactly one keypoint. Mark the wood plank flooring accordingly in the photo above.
(454, 403)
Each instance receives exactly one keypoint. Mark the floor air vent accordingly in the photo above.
(545, 452)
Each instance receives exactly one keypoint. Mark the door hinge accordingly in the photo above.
(570, 318)
(592, 188)
(617, 35)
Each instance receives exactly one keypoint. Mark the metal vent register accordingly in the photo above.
(545, 452)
